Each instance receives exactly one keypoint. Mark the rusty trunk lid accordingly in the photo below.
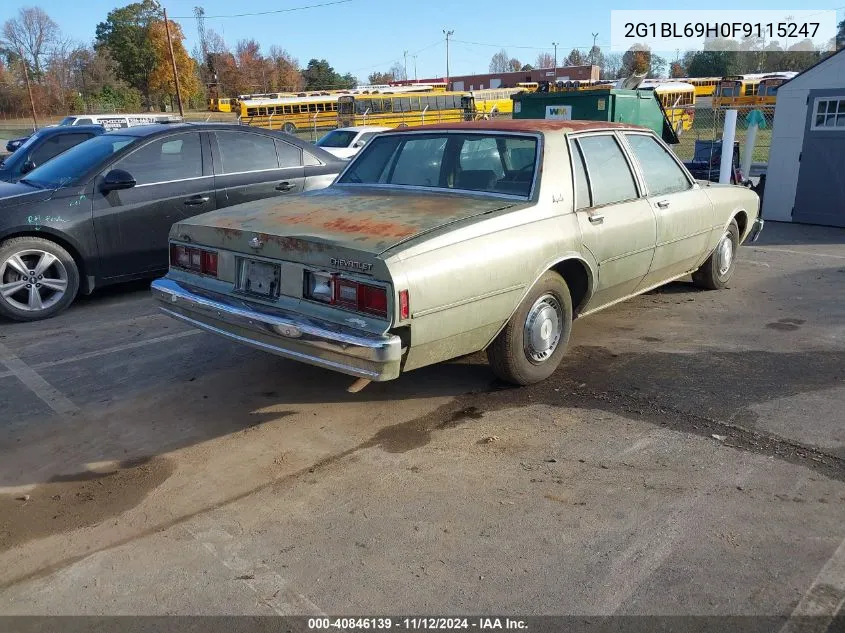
(361, 219)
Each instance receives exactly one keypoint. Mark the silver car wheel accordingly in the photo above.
(542, 330)
(725, 254)
(32, 280)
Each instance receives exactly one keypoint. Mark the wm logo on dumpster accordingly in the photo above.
(561, 112)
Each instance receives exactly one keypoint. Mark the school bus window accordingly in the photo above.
(414, 103)
(441, 102)
(388, 105)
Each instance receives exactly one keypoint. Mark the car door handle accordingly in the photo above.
(196, 200)
(663, 204)
(284, 186)
(596, 218)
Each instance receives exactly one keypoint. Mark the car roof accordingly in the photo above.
(364, 128)
(161, 129)
(525, 125)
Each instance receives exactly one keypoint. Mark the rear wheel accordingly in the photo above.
(38, 278)
(290, 128)
(534, 341)
(716, 272)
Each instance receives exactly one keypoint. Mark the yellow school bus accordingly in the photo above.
(399, 110)
(220, 104)
(736, 91)
(704, 86)
(768, 88)
(677, 99)
(489, 103)
(290, 113)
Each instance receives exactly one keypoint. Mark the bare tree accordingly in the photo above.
(500, 62)
(611, 66)
(544, 60)
(32, 33)
(398, 72)
(514, 64)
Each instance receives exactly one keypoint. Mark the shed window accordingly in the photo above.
(829, 114)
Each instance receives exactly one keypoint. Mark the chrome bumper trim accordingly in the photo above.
(756, 228)
(355, 352)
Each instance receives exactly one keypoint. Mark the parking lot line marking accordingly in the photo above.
(270, 588)
(824, 598)
(51, 396)
(117, 348)
(109, 350)
(786, 250)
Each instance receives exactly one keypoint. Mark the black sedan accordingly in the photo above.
(100, 213)
(45, 144)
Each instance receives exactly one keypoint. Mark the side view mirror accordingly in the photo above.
(117, 179)
(27, 167)
(358, 144)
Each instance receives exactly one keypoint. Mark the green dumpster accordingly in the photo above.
(637, 107)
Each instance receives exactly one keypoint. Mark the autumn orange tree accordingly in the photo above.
(161, 83)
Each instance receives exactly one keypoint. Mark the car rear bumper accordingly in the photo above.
(756, 228)
(285, 333)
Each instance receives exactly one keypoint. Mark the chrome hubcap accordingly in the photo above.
(32, 280)
(541, 334)
(725, 254)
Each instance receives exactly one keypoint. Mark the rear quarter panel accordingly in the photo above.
(730, 201)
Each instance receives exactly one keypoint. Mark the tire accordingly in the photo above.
(290, 128)
(50, 289)
(517, 357)
(716, 272)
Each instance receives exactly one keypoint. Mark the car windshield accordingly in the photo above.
(487, 162)
(337, 138)
(66, 168)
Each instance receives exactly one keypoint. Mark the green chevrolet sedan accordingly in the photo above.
(443, 240)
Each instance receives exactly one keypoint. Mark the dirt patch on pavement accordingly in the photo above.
(68, 502)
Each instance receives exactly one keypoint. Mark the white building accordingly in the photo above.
(805, 180)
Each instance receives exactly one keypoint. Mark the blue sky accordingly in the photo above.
(360, 36)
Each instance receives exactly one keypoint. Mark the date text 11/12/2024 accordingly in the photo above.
(416, 624)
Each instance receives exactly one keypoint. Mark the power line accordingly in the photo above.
(244, 15)
(396, 60)
(533, 48)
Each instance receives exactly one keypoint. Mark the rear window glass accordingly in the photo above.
(489, 163)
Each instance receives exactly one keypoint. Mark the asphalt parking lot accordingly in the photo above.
(687, 458)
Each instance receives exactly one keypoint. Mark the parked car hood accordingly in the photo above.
(370, 220)
(15, 193)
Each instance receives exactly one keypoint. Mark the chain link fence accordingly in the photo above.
(709, 123)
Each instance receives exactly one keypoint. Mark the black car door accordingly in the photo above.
(173, 182)
(251, 166)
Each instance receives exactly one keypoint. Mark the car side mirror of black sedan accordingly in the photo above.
(117, 179)
(27, 167)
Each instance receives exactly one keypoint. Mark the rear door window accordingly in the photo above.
(611, 180)
(244, 152)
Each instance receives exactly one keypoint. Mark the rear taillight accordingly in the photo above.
(193, 259)
(404, 305)
(346, 293)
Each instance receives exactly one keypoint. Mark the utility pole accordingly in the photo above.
(593, 49)
(448, 34)
(29, 89)
(173, 62)
(405, 55)
(415, 68)
(555, 44)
